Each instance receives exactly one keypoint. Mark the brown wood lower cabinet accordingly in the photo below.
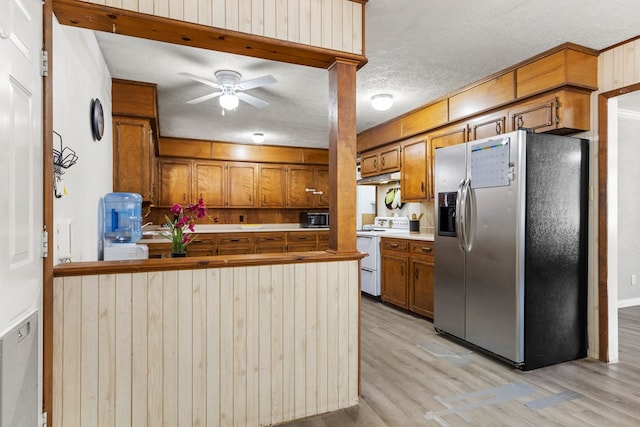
(323, 240)
(395, 268)
(302, 241)
(407, 274)
(235, 243)
(269, 243)
(210, 244)
(421, 280)
(204, 244)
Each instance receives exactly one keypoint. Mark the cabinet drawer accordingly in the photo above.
(301, 237)
(395, 245)
(267, 238)
(422, 248)
(302, 247)
(204, 238)
(235, 239)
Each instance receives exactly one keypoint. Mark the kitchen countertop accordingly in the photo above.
(423, 236)
(151, 234)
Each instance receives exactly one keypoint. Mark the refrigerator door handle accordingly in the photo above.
(470, 226)
(460, 216)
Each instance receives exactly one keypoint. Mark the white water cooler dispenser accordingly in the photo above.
(123, 227)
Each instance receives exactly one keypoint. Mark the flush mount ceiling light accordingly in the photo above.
(382, 101)
(258, 137)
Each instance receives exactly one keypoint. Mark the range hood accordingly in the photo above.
(379, 179)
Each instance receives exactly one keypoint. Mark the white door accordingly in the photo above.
(20, 161)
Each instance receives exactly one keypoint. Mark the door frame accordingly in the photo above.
(603, 235)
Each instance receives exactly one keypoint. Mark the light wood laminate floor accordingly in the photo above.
(413, 377)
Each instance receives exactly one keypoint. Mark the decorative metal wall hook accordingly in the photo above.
(63, 158)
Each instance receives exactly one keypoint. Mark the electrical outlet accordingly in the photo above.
(241, 218)
(633, 279)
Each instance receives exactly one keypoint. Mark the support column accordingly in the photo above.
(342, 156)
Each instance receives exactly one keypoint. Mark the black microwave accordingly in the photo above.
(314, 219)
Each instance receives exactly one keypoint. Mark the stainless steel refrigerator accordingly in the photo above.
(511, 246)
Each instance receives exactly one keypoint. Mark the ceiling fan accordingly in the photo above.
(231, 89)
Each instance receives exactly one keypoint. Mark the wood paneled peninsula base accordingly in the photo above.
(240, 340)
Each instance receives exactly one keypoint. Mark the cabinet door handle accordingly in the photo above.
(393, 245)
(415, 275)
(422, 186)
(375, 164)
(402, 270)
(425, 249)
(382, 161)
(498, 128)
(520, 122)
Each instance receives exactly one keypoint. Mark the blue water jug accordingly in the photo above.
(122, 217)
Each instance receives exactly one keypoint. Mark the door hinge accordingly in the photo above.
(45, 244)
(44, 63)
(43, 419)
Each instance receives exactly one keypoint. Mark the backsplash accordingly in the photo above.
(406, 209)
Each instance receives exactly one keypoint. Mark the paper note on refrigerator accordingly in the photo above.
(489, 163)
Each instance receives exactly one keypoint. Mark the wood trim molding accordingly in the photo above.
(603, 173)
(603, 295)
(76, 13)
(47, 202)
(195, 263)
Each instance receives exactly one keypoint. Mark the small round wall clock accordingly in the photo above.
(97, 119)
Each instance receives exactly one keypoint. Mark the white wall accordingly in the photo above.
(628, 205)
(80, 75)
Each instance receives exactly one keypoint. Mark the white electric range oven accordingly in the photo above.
(368, 241)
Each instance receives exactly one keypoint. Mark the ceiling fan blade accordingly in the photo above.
(258, 82)
(200, 79)
(250, 99)
(204, 98)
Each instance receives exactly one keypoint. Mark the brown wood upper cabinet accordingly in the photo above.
(561, 112)
(220, 184)
(293, 186)
(380, 161)
(300, 185)
(240, 185)
(413, 175)
(272, 184)
(548, 93)
(488, 125)
(134, 157)
(209, 183)
(175, 182)
(135, 128)
(445, 137)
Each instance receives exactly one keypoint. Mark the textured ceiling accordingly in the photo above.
(418, 50)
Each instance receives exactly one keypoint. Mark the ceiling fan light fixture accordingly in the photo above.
(228, 101)
(382, 101)
(258, 137)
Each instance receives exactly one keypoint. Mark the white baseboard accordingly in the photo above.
(628, 302)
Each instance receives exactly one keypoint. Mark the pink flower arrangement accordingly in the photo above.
(183, 219)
